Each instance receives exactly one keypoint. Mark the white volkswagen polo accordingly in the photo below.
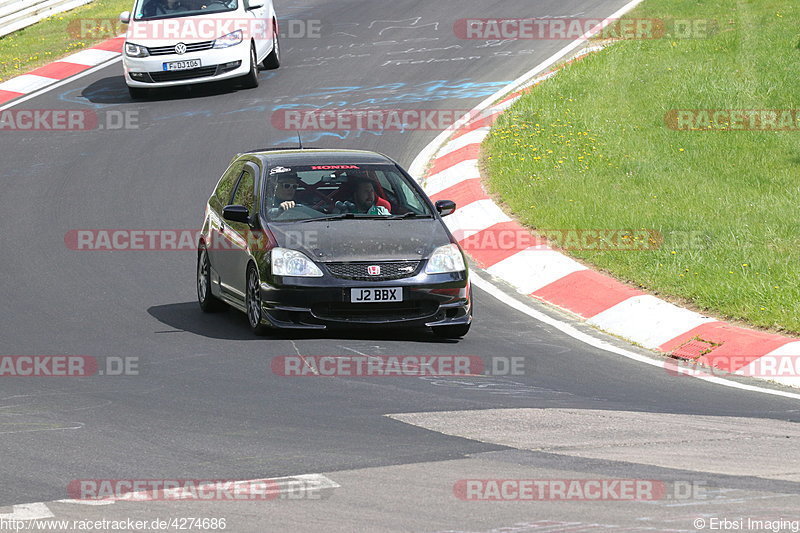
(179, 42)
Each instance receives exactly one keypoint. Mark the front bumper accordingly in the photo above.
(216, 64)
(437, 300)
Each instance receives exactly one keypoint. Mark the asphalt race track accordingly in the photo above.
(206, 405)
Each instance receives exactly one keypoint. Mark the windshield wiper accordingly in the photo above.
(359, 216)
(365, 216)
(410, 215)
(330, 217)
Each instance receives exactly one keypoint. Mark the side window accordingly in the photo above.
(410, 197)
(245, 194)
(222, 194)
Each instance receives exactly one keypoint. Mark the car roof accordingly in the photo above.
(319, 156)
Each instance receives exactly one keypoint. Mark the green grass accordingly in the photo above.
(52, 38)
(590, 149)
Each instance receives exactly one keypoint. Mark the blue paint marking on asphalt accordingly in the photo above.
(75, 96)
(387, 96)
(424, 92)
(395, 94)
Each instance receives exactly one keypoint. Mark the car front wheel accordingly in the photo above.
(250, 80)
(208, 302)
(273, 59)
(255, 314)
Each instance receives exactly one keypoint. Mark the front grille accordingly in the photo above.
(359, 271)
(374, 312)
(177, 75)
(167, 50)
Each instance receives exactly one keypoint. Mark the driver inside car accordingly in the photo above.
(285, 189)
(155, 8)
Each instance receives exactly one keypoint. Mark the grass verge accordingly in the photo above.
(55, 37)
(593, 149)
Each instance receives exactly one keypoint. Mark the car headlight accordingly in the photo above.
(445, 259)
(287, 262)
(134, 50)
(231, 39)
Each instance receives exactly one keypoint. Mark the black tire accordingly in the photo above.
(273, 59)
(451, 332)
(250, 80)
(253, 302)
(208, 302)
(137, 93)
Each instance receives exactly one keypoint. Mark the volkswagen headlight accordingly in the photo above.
(231, 39)
(134, 50)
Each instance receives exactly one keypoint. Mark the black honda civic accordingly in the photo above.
(317, 239)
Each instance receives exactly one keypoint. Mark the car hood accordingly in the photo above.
(363, 240)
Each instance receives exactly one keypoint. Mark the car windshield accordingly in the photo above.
(316, 192)
(163, 9)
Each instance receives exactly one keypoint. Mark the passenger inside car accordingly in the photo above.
(364, 199)
(347, 191)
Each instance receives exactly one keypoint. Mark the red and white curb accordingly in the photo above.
(60, 70)
(550, 276)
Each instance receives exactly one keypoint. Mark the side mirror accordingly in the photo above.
(445, 207)
(255, 4)
(125, 17)
(236, 213)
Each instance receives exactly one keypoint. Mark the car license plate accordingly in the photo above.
(389, 294)
(182, 65)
